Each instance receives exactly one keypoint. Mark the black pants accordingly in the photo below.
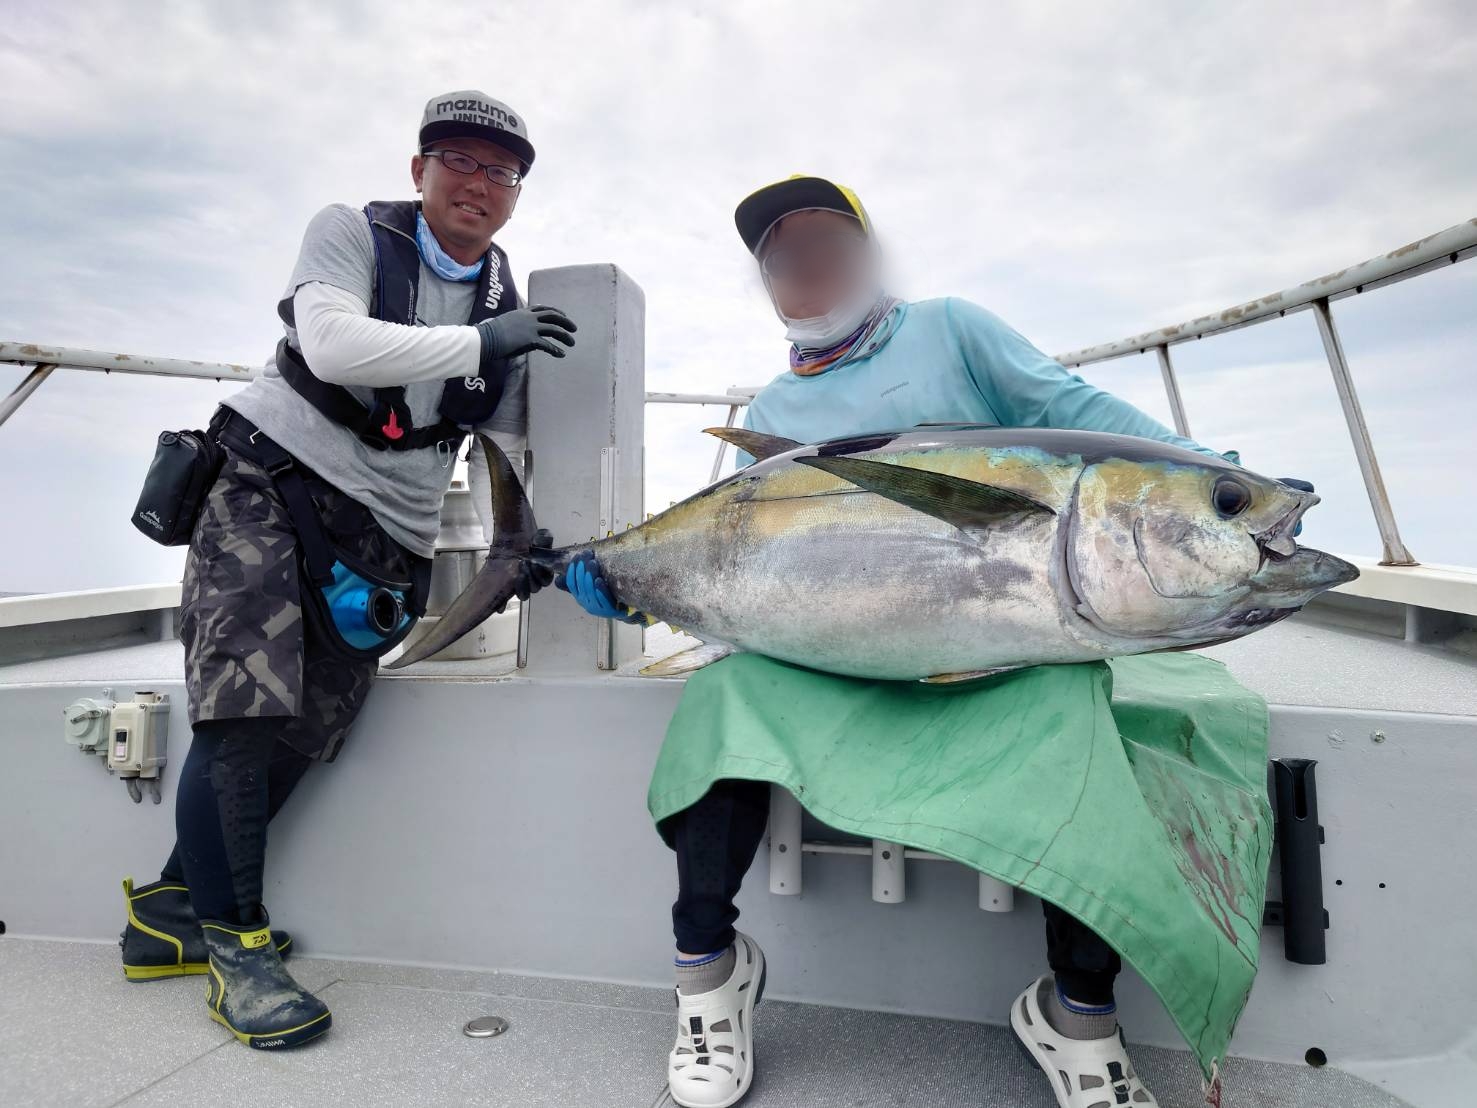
(235, 779)
(716, 840)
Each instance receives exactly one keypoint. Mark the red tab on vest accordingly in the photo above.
(392, 430)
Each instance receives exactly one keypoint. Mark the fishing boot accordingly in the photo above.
(162, 938)
(252, 994)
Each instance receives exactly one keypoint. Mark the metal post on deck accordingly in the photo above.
(889, 874)
(996, 896)
(586, 427)
(1172, 389)
(722, 446)
(1395, 553)
(22, 391)
(786, 851)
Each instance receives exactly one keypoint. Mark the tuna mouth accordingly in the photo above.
(1278, 541)
(1289, 583)
(1284, 585)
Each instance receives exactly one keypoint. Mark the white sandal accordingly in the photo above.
(1084, 1073)
(712, 1063)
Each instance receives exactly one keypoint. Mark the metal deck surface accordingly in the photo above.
(73, 1032)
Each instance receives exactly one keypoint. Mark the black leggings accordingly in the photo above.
(716, 840)
(235, 779)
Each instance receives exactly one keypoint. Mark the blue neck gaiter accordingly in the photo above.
(437, 260)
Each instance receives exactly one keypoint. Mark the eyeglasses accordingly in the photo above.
(458, 162)
(829, 250)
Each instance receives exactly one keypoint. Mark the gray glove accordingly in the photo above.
(523, 330)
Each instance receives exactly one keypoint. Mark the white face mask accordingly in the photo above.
(822, 331)
(819, 332)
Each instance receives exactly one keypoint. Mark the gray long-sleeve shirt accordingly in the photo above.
(403, 489)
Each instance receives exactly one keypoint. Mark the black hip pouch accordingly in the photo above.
(185, 465)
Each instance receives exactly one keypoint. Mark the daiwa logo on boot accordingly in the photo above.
(256, 939)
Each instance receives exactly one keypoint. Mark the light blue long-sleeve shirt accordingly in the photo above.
(947, 361)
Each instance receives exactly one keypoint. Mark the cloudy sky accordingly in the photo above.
(1085, 170)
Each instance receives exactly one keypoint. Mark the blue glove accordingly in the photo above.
(1301, 486)
(584, 581)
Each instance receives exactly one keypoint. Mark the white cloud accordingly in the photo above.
(1085, 170)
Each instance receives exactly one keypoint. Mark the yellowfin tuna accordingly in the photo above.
(943, 553)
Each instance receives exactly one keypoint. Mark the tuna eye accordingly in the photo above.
(1230, 497)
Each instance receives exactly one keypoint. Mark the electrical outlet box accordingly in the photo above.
(138, 735)
(87, 723)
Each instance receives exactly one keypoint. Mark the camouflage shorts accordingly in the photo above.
(248, 650)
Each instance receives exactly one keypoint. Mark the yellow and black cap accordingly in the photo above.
(759, 211)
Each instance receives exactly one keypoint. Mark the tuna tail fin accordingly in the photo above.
(755, 442)
(512, 514)
(951, 499)
(503, 572)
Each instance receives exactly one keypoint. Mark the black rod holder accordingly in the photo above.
(1299, 841)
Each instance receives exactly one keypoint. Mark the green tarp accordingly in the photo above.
(1131, 793)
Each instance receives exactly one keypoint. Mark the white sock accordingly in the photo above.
(1076, 1021)
(705, 973)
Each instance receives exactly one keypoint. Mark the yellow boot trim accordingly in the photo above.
(217, 985)
(254, 939)
(219, 990)
(128, 886)
(247, 1038)
(153, 973)
(146, 973)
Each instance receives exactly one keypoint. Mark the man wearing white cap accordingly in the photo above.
(311, 555)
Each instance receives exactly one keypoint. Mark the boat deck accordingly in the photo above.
(1392, 722)
(74, 1032)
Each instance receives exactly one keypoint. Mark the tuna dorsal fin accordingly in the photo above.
(951, 499)
(755, 442)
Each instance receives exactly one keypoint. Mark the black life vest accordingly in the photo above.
(465, 401)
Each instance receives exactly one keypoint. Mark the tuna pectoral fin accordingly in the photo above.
(502, 573)
(968, 675)
(756, 443)
(951, 499)
(688, 661)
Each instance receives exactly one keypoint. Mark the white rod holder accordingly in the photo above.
(996, 896)
(784, 842)
(889, 878)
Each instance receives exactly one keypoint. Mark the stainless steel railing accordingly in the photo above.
(1441, 249)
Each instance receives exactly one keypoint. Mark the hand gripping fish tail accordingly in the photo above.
(517, 545)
